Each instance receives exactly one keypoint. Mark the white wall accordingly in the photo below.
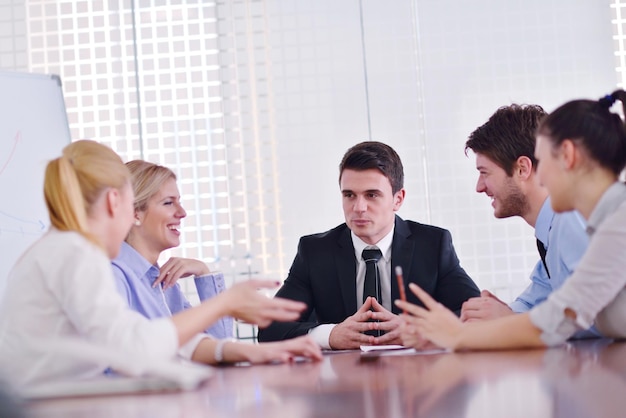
(13, 48)
(298, 82)
(436, 70)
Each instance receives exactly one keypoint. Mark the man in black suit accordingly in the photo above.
(329, 271)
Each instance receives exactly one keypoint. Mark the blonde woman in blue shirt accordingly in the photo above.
(60, 296)
(152, 290)
(581, 151)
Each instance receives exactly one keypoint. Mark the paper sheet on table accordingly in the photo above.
(367, 348)
(399, 350)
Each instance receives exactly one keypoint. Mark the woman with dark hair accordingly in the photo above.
(581, 151)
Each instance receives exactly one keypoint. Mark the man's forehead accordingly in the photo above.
(364, 179)
(483, 161)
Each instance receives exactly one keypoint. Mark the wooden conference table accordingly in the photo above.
(581, 379)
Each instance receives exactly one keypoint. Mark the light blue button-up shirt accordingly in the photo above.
(565, 239)
(134, 276)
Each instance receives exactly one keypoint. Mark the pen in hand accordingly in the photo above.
(401, 285)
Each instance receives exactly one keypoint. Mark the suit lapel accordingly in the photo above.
(401, 255)
(346, 271)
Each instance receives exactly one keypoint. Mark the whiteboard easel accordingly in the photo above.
(33, 130)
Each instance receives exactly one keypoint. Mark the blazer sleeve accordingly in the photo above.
(296, 287)
(454, 286)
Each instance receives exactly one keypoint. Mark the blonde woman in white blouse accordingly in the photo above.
(61, 292)
(581, 151)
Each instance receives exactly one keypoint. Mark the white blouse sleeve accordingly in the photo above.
(87, 292)
(187, 349)
(599, 277)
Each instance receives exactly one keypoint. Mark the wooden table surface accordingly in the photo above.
(581, 379)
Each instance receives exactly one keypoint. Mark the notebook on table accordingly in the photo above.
(133, 375)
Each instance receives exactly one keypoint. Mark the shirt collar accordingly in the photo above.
(384, 245)
(137, 263)
(614, 196)
(544, 221)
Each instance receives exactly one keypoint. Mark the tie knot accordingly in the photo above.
(371, 255)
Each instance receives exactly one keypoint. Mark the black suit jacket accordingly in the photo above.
(323, 275)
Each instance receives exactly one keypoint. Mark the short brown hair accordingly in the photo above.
(507, 135)
(372, 154)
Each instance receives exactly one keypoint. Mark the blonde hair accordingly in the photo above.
(147, 179)
(75, 181)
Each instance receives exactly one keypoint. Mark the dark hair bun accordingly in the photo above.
(607, 101)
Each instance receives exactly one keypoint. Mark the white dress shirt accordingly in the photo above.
(321, 333)
(60, 295)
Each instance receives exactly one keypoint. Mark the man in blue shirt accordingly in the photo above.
(504, 147)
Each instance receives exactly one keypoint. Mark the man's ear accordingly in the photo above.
(523, 167)
(398, 199)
